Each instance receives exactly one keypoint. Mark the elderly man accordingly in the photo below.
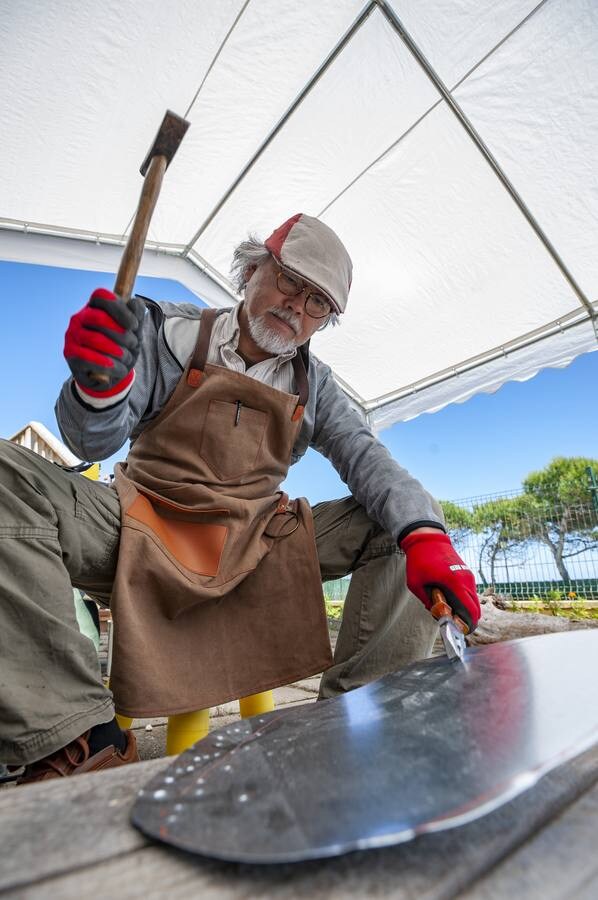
(212, 573)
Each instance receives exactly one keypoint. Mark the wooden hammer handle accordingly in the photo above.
(131, 259)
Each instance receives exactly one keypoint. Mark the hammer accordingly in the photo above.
(166, 143)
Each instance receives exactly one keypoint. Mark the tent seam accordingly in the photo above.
(215, 60)
(336, 50)
(204, 79)
(455, 108)
(430, 109)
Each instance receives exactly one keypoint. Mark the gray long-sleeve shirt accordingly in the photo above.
(331, 425)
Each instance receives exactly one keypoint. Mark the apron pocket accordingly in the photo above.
(232, 438)
(195, 545)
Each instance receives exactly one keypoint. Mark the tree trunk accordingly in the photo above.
(557, 552)
(493, 554)
(558, 558)
(481, 556)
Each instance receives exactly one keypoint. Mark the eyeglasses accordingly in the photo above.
(317, 306)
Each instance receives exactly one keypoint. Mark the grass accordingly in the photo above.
(552, 604)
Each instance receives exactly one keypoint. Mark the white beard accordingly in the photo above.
(268, 339)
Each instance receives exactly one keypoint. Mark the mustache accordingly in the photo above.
(286, 316)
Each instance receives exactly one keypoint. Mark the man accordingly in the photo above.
(212, 573)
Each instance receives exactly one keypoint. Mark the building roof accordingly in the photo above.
(37, 437)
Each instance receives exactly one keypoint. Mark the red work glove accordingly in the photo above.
(104, 338)
(433, 563)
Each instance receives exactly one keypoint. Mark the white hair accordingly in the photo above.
(247, 254)
(253, 253)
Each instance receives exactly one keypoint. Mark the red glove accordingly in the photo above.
(433, 563)
(104, 338)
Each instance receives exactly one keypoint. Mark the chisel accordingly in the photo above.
(452, 628)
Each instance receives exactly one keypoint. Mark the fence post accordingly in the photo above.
(593, 487)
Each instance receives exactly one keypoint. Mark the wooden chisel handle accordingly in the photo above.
(441, 609)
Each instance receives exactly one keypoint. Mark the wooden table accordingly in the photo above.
(72, 838)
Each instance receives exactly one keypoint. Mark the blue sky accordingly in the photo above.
(486, 445)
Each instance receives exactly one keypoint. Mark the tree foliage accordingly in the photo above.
(456, 516)
(503, 527)
(554, 509)
(564, 481)
(558, 504)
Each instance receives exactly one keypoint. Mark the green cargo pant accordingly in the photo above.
(59, 529)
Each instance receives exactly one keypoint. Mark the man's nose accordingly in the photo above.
(296, 303)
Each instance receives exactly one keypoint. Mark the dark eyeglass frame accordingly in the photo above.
(301, 290)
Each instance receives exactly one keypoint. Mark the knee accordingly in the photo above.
(7, 453)
(25, 478)
(376, 542)
(13, 461)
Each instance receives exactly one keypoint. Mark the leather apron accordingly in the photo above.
(217, 593)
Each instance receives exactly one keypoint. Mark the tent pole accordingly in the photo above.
(359, 21)
(562, 325)
(404, 35)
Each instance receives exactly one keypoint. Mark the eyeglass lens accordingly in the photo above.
(316, 305)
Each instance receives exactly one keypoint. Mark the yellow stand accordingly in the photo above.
(185, 729)
(256, 704)
(93, 473)
(124, 722)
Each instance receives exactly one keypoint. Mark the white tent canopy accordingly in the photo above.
(452, 146)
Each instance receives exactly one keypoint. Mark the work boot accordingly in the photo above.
(75, 759)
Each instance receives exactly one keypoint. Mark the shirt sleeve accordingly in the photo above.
(389, 494)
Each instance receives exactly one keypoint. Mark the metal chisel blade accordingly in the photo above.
(453, 639)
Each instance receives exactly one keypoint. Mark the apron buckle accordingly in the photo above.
(286, 529)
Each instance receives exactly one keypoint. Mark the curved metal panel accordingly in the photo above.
(430, 747)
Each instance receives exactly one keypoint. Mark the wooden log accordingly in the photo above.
(499, 624)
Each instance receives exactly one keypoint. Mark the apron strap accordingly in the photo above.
(301, 382)
(200, 357)
(200, 354)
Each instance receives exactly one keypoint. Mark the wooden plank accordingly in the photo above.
(559, 863)
(53, 827)
(93, 837)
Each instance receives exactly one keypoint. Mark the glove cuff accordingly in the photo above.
(416, 538)
(103, 294)
(422, 523)
(102, 399)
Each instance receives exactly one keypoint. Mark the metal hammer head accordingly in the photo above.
(166, 143)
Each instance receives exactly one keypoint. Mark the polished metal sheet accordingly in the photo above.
(432, 746)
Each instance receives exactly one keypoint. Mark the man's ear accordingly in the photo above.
(248, 273)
